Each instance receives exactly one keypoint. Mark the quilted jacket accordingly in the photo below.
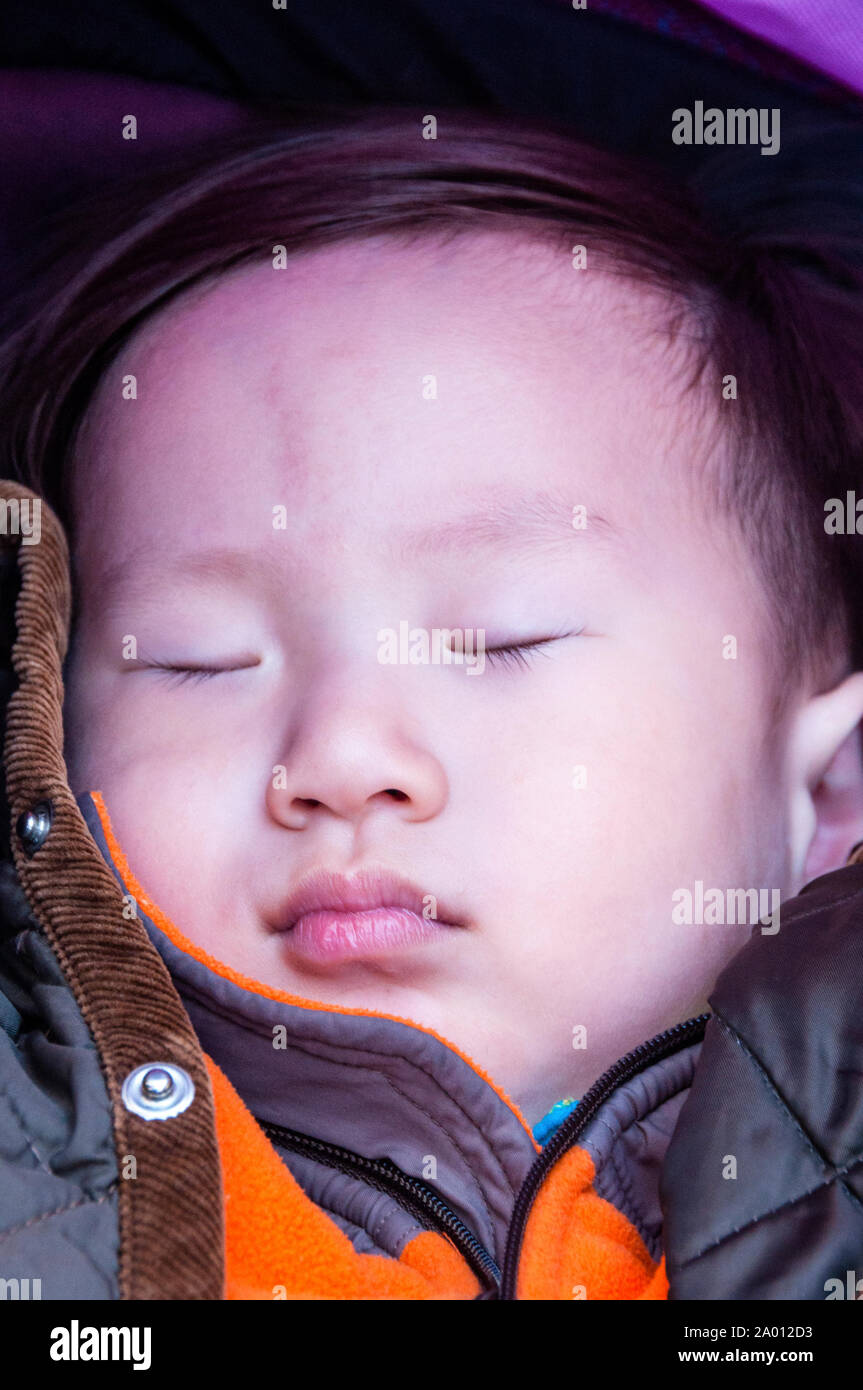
(172, 1130)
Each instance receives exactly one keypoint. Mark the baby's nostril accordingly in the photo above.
(396, 794)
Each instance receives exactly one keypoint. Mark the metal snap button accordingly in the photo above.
(33, 827)
(158, 1091)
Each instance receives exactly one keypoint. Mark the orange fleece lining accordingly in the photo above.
(578, 1245)
(158, 918)
(280, 1245)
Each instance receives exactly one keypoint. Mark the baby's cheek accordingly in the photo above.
(161, 824)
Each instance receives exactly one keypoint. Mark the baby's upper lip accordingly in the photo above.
(324, 889)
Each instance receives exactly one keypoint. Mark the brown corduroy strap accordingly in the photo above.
(171, 1211)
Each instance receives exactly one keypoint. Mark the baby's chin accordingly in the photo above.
(415, 988)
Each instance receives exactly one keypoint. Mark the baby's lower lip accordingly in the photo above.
(327, 936)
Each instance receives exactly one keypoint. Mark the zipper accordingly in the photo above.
(415, 1196)
(432, 1211)
(654, 1050)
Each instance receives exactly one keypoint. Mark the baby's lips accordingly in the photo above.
(370, 887)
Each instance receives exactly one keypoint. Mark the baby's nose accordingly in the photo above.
(352, 764)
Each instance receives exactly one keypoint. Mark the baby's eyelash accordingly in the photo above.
(520, 653)
(193, 672)
(517, 654)
(178, 675)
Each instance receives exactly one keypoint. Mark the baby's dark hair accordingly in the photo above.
(778, 310)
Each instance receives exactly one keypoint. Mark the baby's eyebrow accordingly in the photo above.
(509, 522)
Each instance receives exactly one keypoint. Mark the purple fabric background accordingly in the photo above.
(826, 33)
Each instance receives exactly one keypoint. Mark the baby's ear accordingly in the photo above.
(828, 773)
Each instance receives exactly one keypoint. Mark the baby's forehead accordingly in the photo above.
(480, 357)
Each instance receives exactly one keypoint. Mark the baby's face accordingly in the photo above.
(432, 420)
